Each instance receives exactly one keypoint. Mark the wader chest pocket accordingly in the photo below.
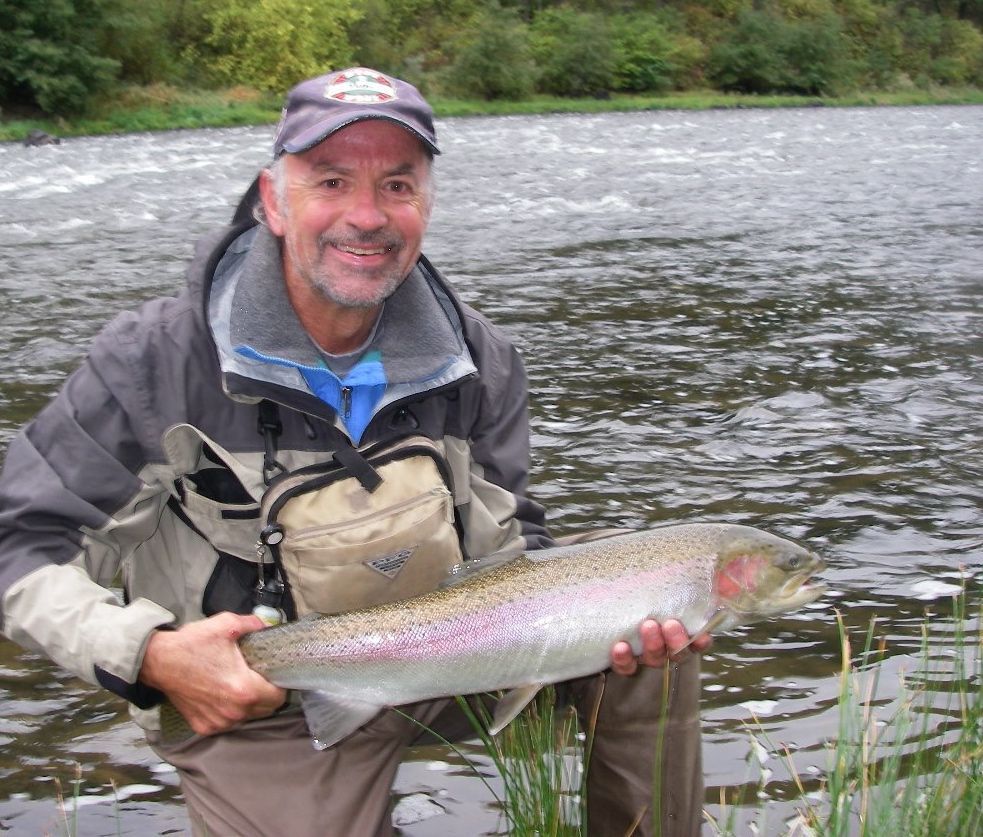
(218, 507)
(378, 528)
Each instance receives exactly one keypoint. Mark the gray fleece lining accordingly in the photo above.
(419, 334)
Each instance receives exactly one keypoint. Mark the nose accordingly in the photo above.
(365, 210)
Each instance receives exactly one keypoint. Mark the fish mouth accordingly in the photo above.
(802, 588)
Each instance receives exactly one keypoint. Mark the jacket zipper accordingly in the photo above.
(346, 403)
(410, 399)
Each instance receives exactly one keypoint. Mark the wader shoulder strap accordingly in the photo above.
(271, 428)
(359, 467)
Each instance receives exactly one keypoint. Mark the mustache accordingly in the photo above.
(361, 241)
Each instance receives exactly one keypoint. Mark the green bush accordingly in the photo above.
(749, 58)
(413, 39)
(139, 38)
(651, 56)
(765, 53)
(494, 59)
(573, 52)
(880, 62)
(643, 54)
(49, 57)
(960, 56)
(273, 44)
(939, 50)
(815, 58)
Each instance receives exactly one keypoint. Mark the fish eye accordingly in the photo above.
(794, 562)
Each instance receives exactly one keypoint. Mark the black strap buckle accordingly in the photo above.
(270, 428)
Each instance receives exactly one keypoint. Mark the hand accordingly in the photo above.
(201, 670)
(664, 643)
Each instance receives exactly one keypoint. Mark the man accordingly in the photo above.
(300, 342)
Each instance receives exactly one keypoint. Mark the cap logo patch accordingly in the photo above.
(361, 87)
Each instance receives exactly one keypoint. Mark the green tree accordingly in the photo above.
(938, 49)
(961, 58)
(573, 51)
(141, 38)
(413, 39)
(766, 53)
(273, 44)
(815, 58)
(493, 59)
(871, 42)
(49, 55)
(651, 56)
(748, 59)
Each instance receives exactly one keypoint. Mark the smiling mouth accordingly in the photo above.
(378, 250)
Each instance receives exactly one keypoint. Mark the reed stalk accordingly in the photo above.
(541, 759)
(918, 772)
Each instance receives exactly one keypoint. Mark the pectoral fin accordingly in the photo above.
(511, 705)
(331, 718)
(720, 617)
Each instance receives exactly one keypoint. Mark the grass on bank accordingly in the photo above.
(161, 107)
(910, 774)
(907, 775)
(541, 758)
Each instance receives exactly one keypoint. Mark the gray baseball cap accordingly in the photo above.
(318, 107)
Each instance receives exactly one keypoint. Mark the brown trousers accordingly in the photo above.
(265, 779)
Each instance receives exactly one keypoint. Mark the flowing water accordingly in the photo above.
(765, 317)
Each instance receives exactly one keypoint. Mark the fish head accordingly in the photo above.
(759, 575)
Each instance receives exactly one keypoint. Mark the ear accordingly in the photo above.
(271, 203)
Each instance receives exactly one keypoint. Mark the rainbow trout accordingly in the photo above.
(544, 617)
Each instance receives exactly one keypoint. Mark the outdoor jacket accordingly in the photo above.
(107, 528)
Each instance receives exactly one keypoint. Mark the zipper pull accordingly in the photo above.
(346, 402)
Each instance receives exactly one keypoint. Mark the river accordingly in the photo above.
(770, 317)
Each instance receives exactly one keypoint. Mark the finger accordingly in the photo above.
(623, 659)
(676, 638)
(654, 651)
(268, 698)
(701, 643)
(679, 644)
(240, 624)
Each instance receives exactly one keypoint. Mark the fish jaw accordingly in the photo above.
(799, 590)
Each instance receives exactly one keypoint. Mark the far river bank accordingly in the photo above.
(161, 108)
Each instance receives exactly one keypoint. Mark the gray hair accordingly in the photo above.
(278, 174)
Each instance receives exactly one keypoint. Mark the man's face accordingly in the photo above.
(352, 212)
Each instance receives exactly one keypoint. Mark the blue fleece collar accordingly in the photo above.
(353, 397)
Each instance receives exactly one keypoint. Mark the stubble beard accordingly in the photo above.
(321, 279)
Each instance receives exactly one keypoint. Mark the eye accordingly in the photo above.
(794, 562)
(399, 187)
(331, 183)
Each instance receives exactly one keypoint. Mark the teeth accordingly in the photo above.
(355, 251)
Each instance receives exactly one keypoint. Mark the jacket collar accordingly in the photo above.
(419, 339)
